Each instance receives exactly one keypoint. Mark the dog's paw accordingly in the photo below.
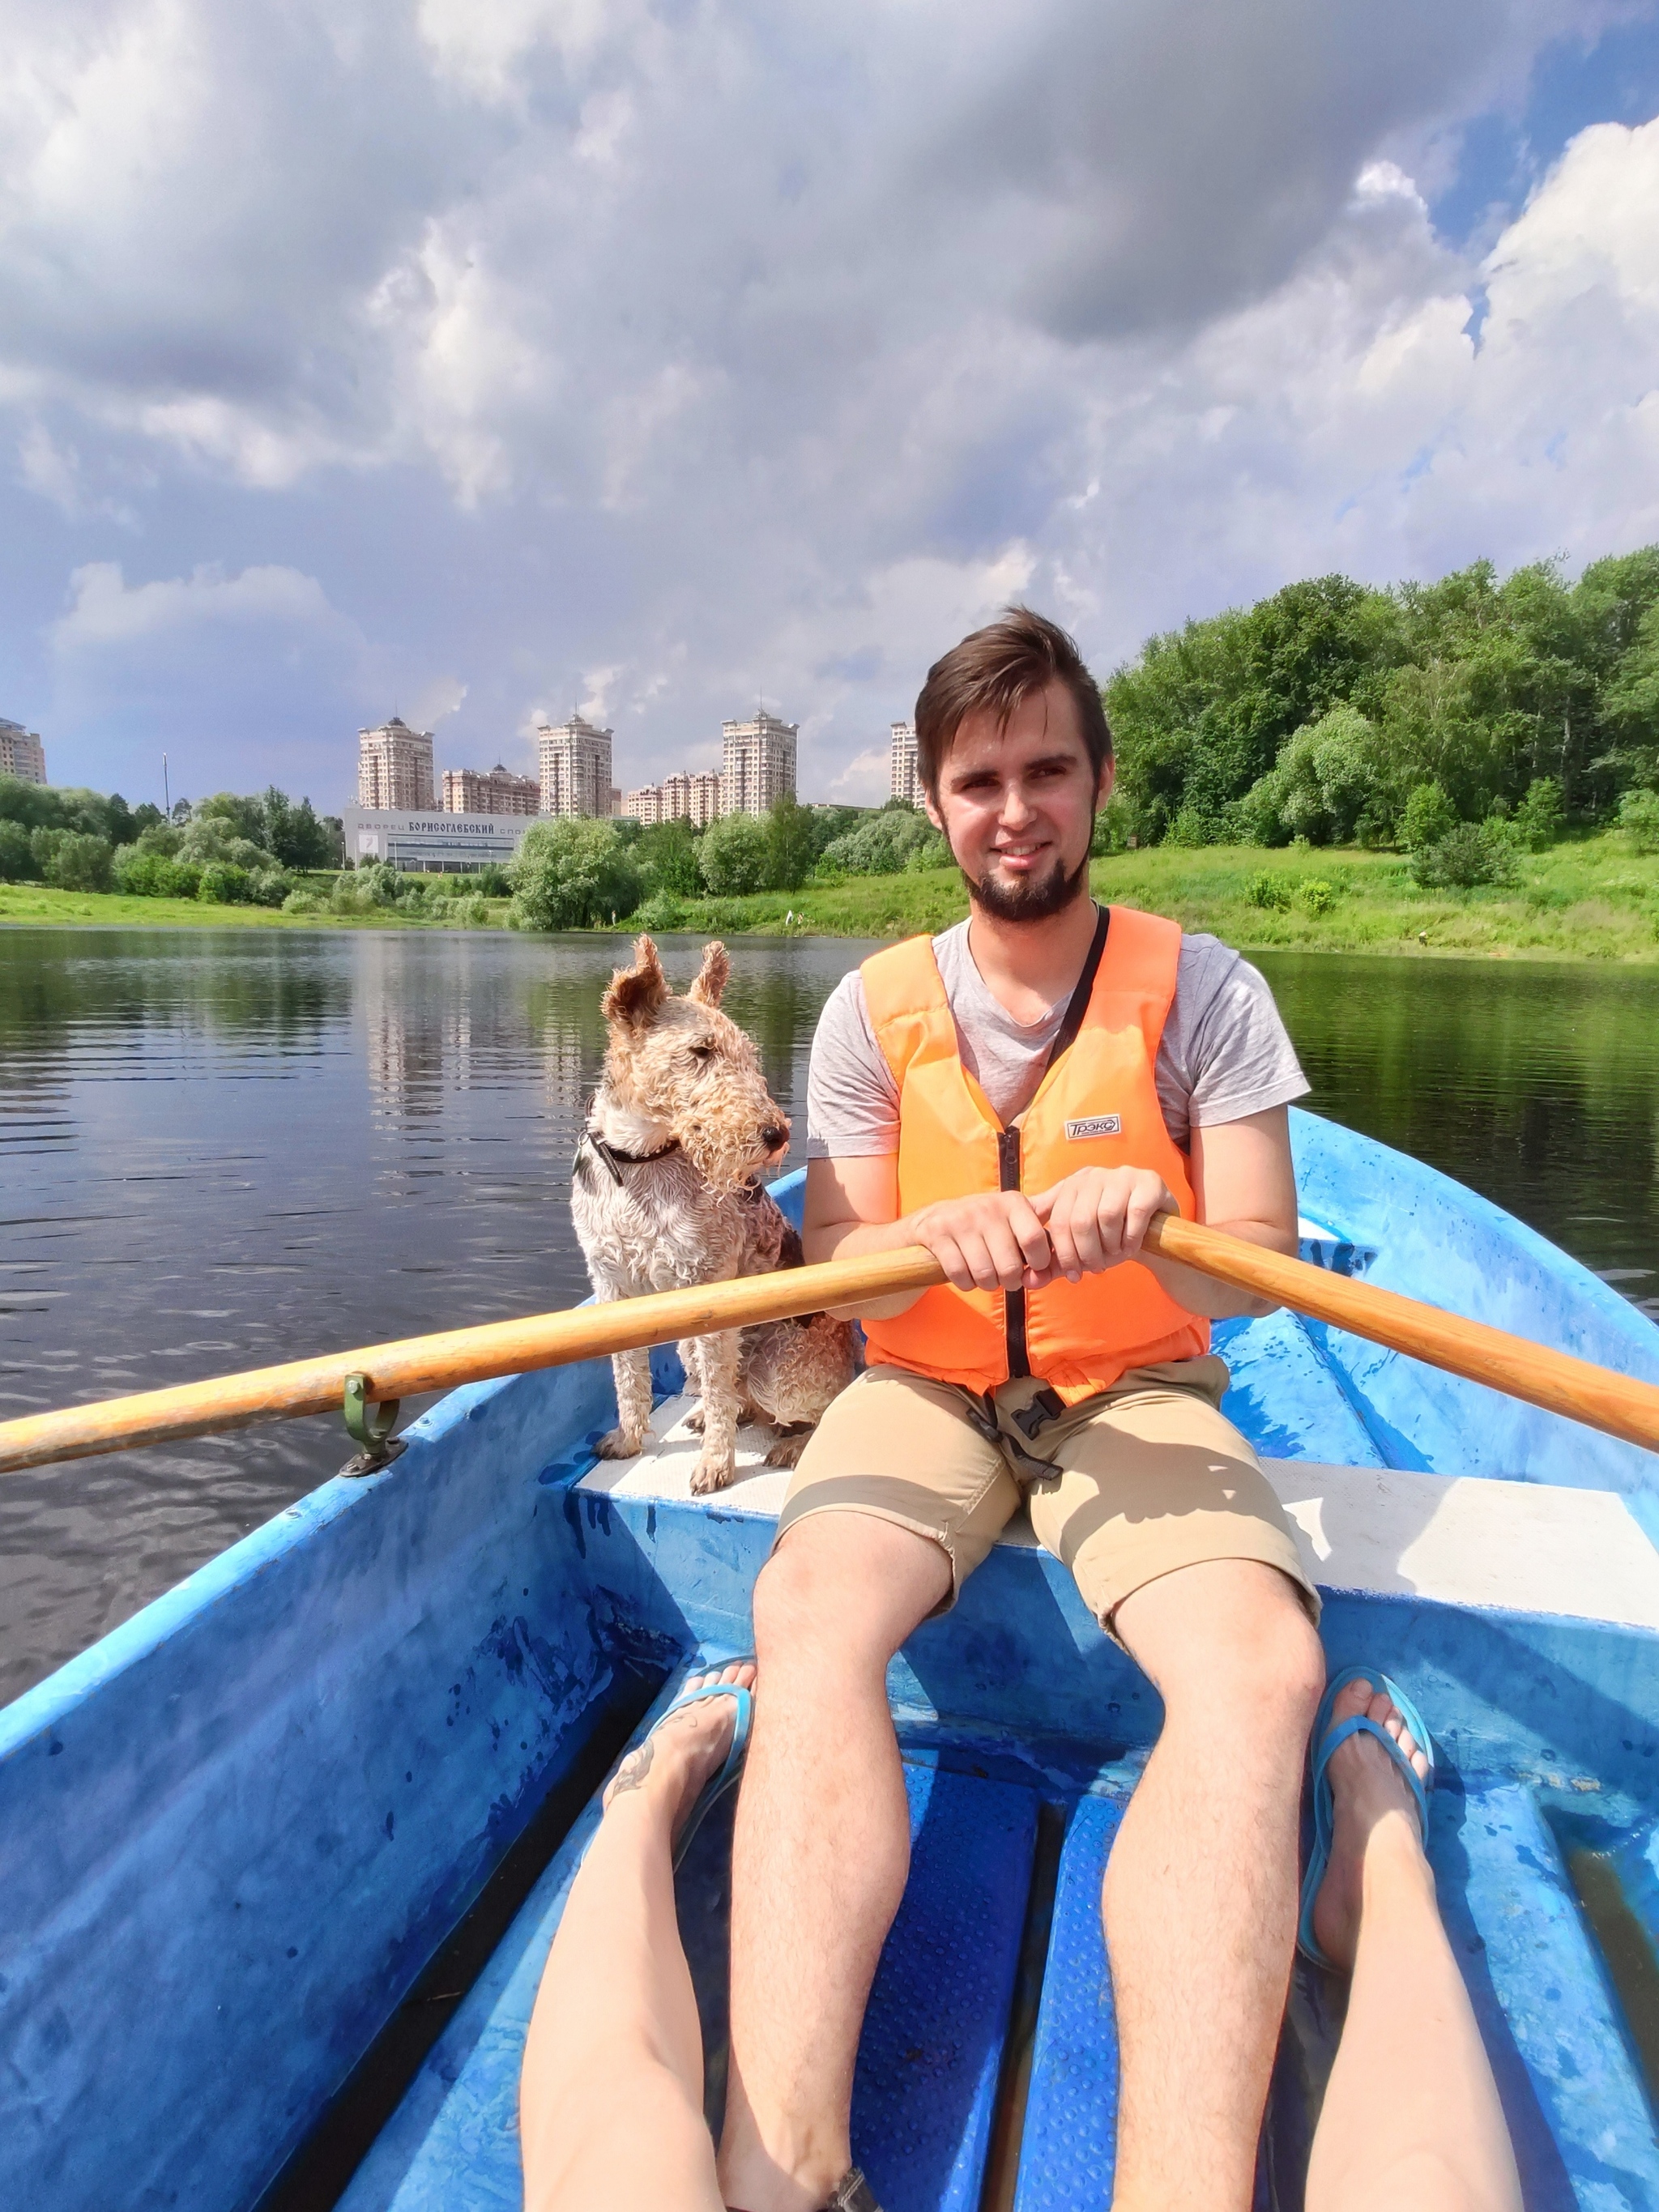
(790, 1444)
(619, 1444)
(711, 1472)
(693, 1422)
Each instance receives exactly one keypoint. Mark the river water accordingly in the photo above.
(225, 1148)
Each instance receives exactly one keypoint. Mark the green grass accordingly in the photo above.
(1591, 898)
(36, 904)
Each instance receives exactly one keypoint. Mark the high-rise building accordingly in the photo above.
(575, 768)
(21, 753)
(760, 763)
(678, 797)
(705, 799)
(490, 791)
(906, 783)
(394, 767)
(645, 805)
(616, 799)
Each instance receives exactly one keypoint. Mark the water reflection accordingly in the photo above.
(226, 1148)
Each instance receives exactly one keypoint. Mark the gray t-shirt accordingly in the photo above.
(1224, 1052)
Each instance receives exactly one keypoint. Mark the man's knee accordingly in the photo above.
(845, 1585)
(1228, 1634)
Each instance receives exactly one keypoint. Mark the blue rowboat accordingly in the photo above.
(282, 1858)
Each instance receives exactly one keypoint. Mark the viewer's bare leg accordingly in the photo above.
(1200, 1892)
(1412, 2121)
(610, 2096)
(822, 1848)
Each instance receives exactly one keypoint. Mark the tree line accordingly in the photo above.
(1339, 713)
(227, 850)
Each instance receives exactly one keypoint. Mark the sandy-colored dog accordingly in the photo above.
(666, 1192)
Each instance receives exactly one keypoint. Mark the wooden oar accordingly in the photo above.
(1616, 1403)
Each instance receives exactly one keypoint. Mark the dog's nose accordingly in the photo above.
(776, 1137)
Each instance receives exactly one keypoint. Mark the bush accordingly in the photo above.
(1430, 817)
(1638, 817)
(572, 873)
(881, 844)
(76, 862)
(662, 910)
(733, 857)
(143, 873)
(666, 854)
(792, 849)
(492, 882)
(223, 884)
(271, 887)
(1267, 890)
(1539, 818)
(16, 861)
(1472, 852)
(1317, 895)
(302, 903)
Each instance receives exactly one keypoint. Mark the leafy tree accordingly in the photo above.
(570, 873)
(224, 885)
(1638, 817)
(74, 861)
(245, 817)
(1470, 853)
(123, 828)
(1429, 817)
(881, 844)
(146, 817)
(791, 847)
(17, 863)
(732, 855)
(1538, 818)
(667, 856)
(293, 834)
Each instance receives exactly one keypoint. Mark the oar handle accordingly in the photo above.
(1619, 1404)
(406, 1369)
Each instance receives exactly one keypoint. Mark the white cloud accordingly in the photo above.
(106, 611)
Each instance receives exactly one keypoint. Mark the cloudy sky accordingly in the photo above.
(475, 358)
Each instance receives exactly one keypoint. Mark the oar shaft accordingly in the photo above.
(406, 1369)
(412, 1365)
(1618, 1404)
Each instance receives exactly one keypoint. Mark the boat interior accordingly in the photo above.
(285, 1853)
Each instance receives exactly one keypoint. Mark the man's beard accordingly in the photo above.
(1033, 900)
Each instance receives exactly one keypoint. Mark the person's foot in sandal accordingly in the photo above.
(1374, 1809)
(688, 1746)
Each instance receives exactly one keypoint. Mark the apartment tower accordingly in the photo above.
(490, 791)
(575, 768)
(907, 784)
(760, 763)
(21, 753)
(394, 768)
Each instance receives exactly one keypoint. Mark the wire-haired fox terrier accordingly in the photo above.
(666, 1194)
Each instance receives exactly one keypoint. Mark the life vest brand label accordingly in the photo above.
(1096, 1125)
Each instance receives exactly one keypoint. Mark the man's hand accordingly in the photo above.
(996, 1241)
(1096, 1218)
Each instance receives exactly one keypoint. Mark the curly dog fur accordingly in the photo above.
(666, 1194)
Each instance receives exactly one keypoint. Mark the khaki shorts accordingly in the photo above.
(1130, 1485)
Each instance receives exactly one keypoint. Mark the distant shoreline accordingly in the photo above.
(1588, 898)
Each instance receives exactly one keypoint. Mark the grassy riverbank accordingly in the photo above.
(1590, 898)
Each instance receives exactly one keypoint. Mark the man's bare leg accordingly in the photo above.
(821, 1847)
(1411, 2121)
(610, 2096)
(1200, 1891)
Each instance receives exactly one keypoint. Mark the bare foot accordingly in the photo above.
(1374, 1809)
(682, 1752)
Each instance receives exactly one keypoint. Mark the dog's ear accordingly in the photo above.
(711, 977)
(636, 993)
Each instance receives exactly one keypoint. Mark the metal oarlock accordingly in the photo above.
(370, 1428)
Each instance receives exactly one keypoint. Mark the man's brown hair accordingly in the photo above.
(993, 671)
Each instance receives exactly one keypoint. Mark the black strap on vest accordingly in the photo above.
(1009, 1166)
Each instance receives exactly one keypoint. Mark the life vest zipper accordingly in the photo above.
(1013, 1302)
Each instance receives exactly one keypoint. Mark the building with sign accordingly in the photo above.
(429, 841)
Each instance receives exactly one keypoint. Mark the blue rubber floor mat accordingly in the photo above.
(929, 2060)
(1069, 2146)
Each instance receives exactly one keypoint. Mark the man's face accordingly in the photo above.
(1017, 805)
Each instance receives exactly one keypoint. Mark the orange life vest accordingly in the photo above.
(1096, 1106)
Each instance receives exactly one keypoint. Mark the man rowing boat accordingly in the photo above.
(1021, 1095)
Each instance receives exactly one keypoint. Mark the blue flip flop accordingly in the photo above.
(716, 1787)
(1325, 1741)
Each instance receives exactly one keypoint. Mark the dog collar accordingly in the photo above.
(616, 1161)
